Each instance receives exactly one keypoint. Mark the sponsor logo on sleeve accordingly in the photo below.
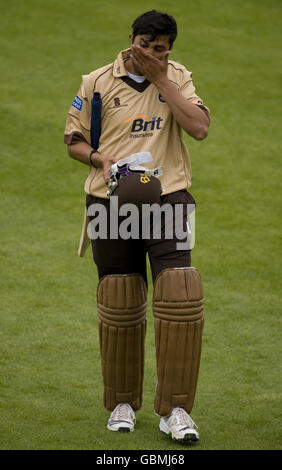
(197, 101)
(77, 103)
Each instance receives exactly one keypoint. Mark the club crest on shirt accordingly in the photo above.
(117, 104)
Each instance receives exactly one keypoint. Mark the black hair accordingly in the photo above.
(155, 23)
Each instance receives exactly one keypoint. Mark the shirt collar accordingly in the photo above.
(119, 69)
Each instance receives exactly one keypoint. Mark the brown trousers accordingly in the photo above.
(120, 256)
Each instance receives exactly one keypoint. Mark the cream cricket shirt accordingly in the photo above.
(135, 118)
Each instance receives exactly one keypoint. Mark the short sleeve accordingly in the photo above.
(78, 119)
(187, 89)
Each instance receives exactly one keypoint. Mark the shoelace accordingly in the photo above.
(183, 418)
(122, 412)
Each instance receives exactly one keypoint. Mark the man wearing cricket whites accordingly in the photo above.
(147, 102)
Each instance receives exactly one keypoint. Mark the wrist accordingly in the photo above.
(162, 84)
(94, 160)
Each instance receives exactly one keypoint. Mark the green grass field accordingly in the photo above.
(50, 377)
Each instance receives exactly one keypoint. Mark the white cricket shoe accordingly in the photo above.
(122, 418)
(180, 426)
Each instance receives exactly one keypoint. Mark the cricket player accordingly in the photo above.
(147, 101)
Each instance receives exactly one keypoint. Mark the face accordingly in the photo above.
(157, 48)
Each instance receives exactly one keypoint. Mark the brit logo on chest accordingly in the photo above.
(142, 125)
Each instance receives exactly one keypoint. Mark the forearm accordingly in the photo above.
(189, 116)
(80, 151)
